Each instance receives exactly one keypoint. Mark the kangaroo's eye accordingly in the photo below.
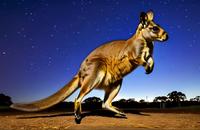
(155, 29)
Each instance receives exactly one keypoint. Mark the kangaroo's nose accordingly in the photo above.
(167, 37)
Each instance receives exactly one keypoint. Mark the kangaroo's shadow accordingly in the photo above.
(107, 113)
(103, 113)
(134, 111)
(97, 112)
(45, 115)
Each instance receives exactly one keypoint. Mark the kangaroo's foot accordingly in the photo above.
(121, 112)
(78, 118)
(114, 109)
(77, 112)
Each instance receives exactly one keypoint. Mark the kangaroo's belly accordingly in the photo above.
(115, 72)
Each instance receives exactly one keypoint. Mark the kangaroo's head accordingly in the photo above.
(149, 29)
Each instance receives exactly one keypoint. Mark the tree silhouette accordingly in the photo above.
(160, 99)
(5, 100)
(92, 103)
(176, 96)
(130, 100)
(197, 98)
(92, 100)
(142, 101)
(122, 101)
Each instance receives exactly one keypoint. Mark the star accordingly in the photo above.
(178, 26)
(32, 46)
(194, 36)
(186, 10)
(165, 2)
(50, 58)
(54, 26)
(46, 4)
(57, 49)
(32, 20)
(190, 45)
(106, 19)
(97, 29)
(31, 64)
(5, 36)
(194, 41)
(3, 53)
(89, 2)
(51, 35)
(22, 29)
(117, 3)
(131, 33)
(188, 29)
(49, 63)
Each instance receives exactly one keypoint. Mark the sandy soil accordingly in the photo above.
(98, 121)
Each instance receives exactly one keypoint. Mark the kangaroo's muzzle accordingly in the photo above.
(164, 37)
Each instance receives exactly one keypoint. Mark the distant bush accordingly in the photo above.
(5, 100)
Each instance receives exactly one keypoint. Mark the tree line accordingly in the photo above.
(172, 99)
(173, 96)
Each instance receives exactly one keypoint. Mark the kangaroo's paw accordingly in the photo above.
(149, 69)
(149, 66)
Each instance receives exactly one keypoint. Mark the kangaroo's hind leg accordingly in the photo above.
(92, 80)
(110, 95)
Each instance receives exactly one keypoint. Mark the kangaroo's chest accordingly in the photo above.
(117, 69)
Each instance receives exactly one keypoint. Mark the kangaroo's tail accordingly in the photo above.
(54, 99)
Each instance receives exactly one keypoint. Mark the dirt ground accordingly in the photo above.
(100, 120)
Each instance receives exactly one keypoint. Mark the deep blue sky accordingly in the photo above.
(42, 44)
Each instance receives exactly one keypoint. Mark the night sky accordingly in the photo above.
(42, 44)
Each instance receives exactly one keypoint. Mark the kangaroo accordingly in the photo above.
(105, 67)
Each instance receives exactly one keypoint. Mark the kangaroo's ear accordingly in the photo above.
(150, 15)
(143, 19)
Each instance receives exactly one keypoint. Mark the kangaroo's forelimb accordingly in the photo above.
(147, 59)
